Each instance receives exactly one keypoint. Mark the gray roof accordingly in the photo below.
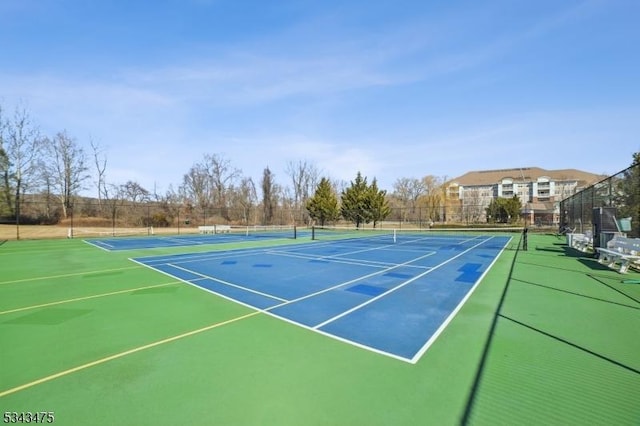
(525, 174)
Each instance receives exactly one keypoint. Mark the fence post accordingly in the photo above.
(71, 224)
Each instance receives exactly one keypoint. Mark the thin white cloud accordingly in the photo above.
(175, 107)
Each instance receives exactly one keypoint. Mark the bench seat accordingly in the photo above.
(621, 250)
(214, 229)
(582, 242)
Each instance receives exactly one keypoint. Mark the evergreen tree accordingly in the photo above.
(323, 206)
(504, 210)
(356, 202)
(627, 195)
(268, 196)
(379, 205)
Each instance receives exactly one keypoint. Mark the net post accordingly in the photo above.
(313, 232)
(525, 233)
(295, 232)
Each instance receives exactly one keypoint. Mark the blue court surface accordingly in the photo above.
(157, 241)
(393, 297)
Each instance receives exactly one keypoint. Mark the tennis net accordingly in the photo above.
(109, 232)
(261, 231)
(411, 236)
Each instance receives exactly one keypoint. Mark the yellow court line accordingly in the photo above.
(122, 354)
(77, 299)
(67, 275)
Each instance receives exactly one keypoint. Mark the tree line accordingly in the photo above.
(361, 203)
(42, 178)
(53, 171)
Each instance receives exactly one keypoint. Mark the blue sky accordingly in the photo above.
(389, 88)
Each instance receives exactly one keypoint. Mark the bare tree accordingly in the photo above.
(4, 176)
(68, 167)
(47, 183)
(114, 198)
(23, 146)
(195, 186)
(134, 192)
(304, 178)
(171, 205)
(5, 170)
(433, 197)
(472, 205)
(245, 197)
(100, 161)
(408, 190)
(221, 175)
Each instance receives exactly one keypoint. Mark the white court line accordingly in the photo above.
(333, 336)
(204, 255)
(350, 261)
(453, 313)
(181, 241)
(199, 287)
(308, 296)
(356, 262)
(98, 246)
(392, 247)
(316, 328)
(270, 296)
(380, 296)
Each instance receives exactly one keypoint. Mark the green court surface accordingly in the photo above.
(548, 337)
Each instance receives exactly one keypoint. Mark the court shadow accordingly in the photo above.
(583, 295)
(592, 263)
(571, 344)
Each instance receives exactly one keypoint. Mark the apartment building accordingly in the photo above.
(539, 190)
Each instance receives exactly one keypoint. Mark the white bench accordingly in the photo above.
(622, 250)
(214, 229)
(582, 242)
(208, 229)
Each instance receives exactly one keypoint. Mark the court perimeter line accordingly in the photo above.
(123, 354)
(66, 275)
(326, 290)
(197, 256)
(328, 259)
(77, 299)
(391, 290)
(207, 277)
(453, 313)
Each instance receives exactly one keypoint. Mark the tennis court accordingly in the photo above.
(389, 293)
(336, 330)
(232, 235)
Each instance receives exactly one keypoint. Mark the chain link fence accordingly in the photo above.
(620, 191)
(90, 217)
